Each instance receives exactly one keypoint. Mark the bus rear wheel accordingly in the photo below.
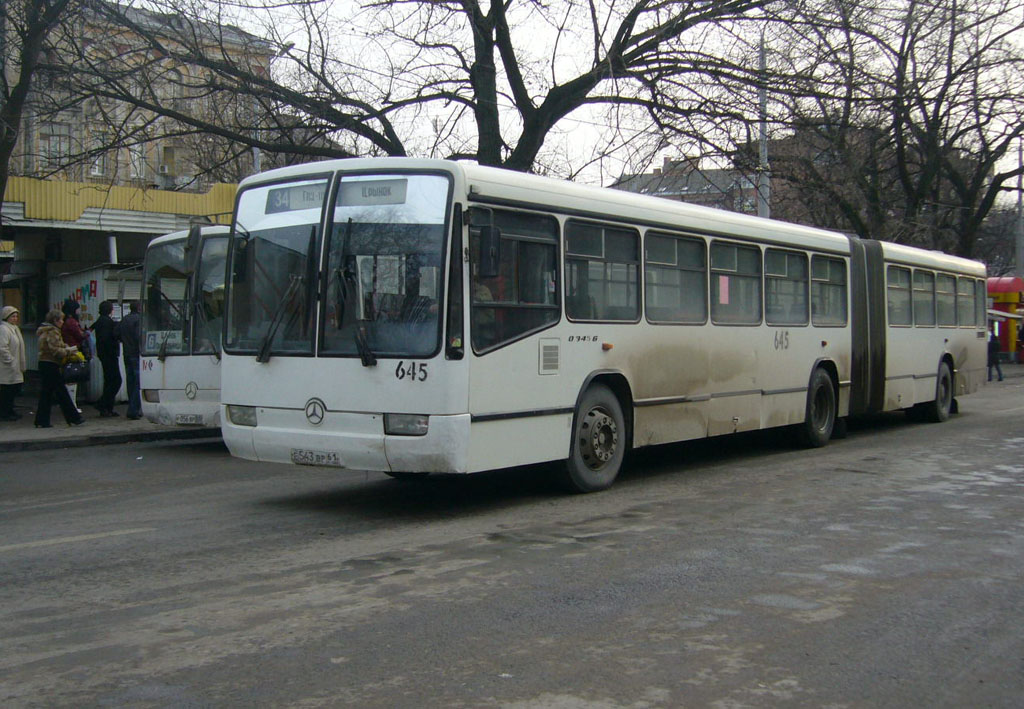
(938, 410)
(820, 419)
(598, 441)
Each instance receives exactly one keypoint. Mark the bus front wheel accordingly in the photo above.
(820, 418)
(598, 441)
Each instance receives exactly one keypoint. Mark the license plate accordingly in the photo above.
(302, 456)
(188, 418)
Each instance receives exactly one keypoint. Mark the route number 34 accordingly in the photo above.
(413, 371)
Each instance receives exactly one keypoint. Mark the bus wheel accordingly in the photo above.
(598, 441)
(816, 430)
(938, 411)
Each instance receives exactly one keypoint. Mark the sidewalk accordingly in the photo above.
(24, 436)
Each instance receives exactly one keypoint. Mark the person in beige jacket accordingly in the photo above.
(52, 353)
(12, 361)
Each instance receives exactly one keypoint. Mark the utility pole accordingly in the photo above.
(1019, 265)
(764, 208)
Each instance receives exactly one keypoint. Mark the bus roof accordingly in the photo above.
(496, 185)
(211, 230)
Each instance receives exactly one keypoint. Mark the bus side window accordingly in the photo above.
(898, 290)
(522, 296)
(602, 272)
(828, 291)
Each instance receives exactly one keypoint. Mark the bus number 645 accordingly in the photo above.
(782, 339)
(413, 371)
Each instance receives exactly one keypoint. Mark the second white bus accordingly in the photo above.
(419, 316)
(182, 320)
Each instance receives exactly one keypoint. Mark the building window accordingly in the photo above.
(136, 161)
(54, 145)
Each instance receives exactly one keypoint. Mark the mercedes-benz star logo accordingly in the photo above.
(191, 389)
(315, 410)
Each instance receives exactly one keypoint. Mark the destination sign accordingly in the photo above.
(365, 193)
(296, 197)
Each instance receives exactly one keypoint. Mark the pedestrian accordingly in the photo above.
(74, 336)
(12, 361)
(108, 350)
(993, 356)
(52, 353)
(131, 333)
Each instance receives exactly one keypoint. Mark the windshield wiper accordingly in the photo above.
(201, 316)
(275, 322)
(366, 355)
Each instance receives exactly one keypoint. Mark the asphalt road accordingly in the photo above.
(882, 571)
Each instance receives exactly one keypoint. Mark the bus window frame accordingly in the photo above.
(664, 234)
(845, 285)
(806, 281)
(584, 258)
(909, 290)
(759, 279)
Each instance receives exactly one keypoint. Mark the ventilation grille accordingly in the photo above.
(549, 356)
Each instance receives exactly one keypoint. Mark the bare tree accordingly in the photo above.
(450, 78)
(25, 26)
(901, 115)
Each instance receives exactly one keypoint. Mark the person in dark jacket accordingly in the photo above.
(108, 348)
(131, 333)
(74, 336)
(993, 356)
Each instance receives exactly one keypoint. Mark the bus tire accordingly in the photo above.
(820, 417)
(938, 410)
(598, 441)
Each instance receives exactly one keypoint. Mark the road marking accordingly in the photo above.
(72, 540)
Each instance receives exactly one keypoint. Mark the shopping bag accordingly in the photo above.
(76, 372)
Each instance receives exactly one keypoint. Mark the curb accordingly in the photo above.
(111, 439)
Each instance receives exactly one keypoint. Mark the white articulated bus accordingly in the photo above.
(182, 323)
(417, 316)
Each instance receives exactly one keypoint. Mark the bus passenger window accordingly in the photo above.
(945, 300)
(522, 298)
(785, 287)
(675, 279)
(602, 272)
(900, 313)
(965, 301)
(735, 284)
(828, 291)
(924, 298)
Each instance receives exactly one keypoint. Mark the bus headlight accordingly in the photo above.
(151, 396)
(406, 424)
(242, 415)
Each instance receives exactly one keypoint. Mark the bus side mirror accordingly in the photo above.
(490, 252)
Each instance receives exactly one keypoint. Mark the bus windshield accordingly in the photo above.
(165, 289)
(384, 266)
(274, 266)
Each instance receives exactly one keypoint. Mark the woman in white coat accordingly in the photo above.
(12, 361)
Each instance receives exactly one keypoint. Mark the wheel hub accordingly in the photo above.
(600, 438)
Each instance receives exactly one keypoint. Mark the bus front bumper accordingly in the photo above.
(350, 441)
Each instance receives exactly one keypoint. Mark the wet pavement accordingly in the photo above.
(22, 435)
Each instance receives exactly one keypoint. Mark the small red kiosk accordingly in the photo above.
(1005, 294)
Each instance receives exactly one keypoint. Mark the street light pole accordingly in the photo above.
(764, 208)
